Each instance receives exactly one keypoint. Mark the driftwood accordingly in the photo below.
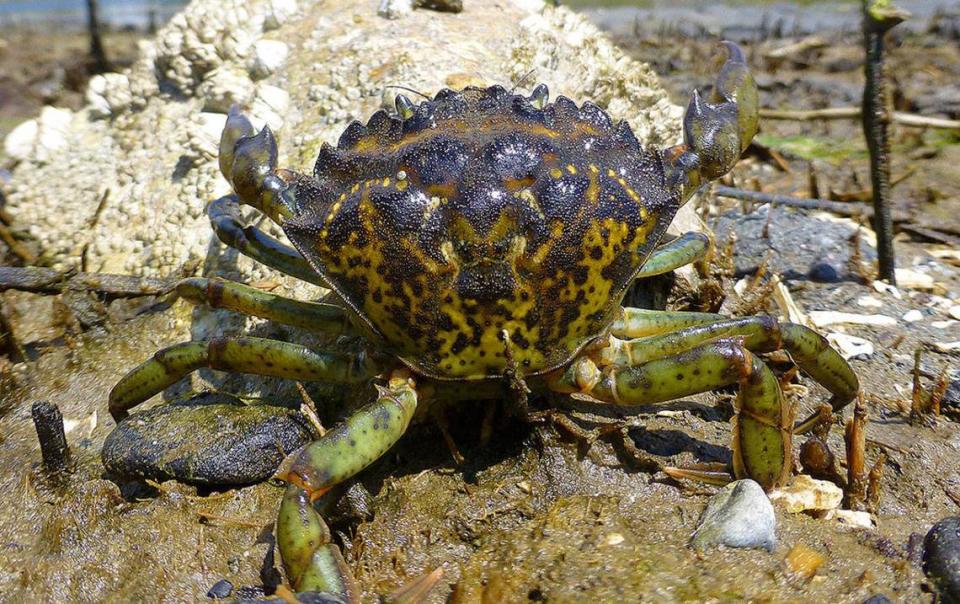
(850, 113)
(49, 281)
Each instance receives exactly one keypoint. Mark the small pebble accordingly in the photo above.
(852, 518)
(221, 589)
(740, 515)
(806, 493)
(941, 557)
(802, 562)
(954, 311)
(869, 302)
(911, 316)
(823, 272)
(877, 599)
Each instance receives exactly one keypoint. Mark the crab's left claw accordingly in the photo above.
(718, 128)
(248, 160)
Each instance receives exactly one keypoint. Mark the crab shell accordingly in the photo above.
(483, 223)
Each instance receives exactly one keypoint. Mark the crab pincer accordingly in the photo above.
(248, 161)
(717, 129)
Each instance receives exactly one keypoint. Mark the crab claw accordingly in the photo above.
(718, 128)
(237, 127)
(249, 162)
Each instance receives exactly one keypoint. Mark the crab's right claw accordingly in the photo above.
(248, 160)
(718, 128)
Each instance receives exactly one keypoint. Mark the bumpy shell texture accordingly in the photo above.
(483, 223)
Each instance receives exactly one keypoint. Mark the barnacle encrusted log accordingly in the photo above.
(150, 134)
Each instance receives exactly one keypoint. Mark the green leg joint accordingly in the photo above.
(685, 249)
(258, 356)
(814, 355)
(312, 562)
(640, 322)
(220, 293)
(356, 443)
(224, 214)
(809, 350)
(762, 436)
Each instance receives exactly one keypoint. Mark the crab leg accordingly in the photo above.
(809, 350)
(716, 130)
(221, 293)
(252, 242)
(642, 322)
(763, 424)
(356, 443)
(683, 250)
(311, 561)
(258, 356)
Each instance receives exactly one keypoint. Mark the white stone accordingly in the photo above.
(740, 515)
(954, 311)
(912, 316)
(806, 493)
(850, 346)
(270, 106)
(885, 288)
(268, 57)
(869, 302)
(822, 318)
(20, 142)
(394, 9)
(224, 87)
(912, 279)
(852, 518)
(280, 11)
(53, 128)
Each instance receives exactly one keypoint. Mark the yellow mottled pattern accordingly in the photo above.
(471, 344)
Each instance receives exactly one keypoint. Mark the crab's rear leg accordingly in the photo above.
(258, 356)
(311, 562)
(667, 364)
(764, 423)
(657, 333)
(716, 129)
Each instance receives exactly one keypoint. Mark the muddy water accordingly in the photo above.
(743, 20)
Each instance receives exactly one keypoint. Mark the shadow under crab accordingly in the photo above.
(482, 243)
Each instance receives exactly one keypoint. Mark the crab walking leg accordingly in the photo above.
(312, 561)
(258, 356)
(356, 443)
(252, 242)
(221, 293)
(763, 426)
(683, 250)
(811, 351)
(642, 322)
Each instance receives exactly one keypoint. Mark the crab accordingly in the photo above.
(481, 242)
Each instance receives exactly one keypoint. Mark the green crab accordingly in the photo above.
(487, 238)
